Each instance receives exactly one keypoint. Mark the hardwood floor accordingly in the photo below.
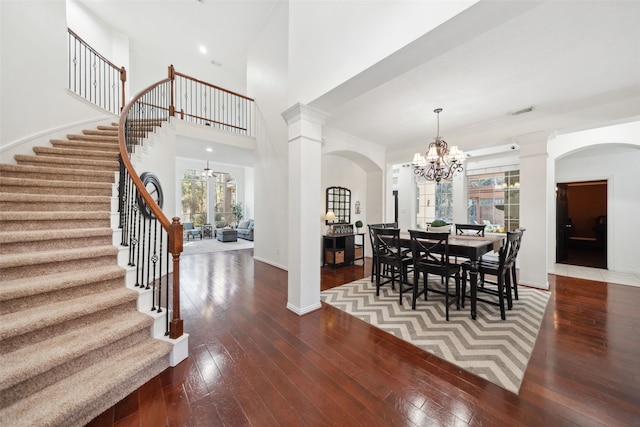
(252, 362)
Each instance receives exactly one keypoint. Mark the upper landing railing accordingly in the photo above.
(93, 77)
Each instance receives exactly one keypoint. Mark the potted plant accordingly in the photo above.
(236, 210)
(439, 226)
(358, 225)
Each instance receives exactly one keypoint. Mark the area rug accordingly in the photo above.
(494, 349)
(213, 245)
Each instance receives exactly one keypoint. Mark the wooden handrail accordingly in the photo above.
(176, 73)
(173, 228)
(150, 108)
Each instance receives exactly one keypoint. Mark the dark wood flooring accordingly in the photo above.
(252, 362)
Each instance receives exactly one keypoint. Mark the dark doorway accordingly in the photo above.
(581, 223)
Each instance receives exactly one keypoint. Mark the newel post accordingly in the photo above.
(123, 79)
(172, 76)
(176, 327)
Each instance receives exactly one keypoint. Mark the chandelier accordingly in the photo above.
(208, 173)
(441, 162)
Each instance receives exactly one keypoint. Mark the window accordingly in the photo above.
(197, 191)
(435, 201)
(494, 199)
(194, 198)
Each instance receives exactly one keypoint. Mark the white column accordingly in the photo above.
(532, 258)
(305, 203)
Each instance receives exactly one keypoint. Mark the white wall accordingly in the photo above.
(322, 56)
(611, 153)
(33, 54)
(267, 83)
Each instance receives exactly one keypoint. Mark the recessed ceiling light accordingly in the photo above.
(210, 150)
(203, 49)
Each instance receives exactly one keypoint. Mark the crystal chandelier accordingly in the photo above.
(441, 162)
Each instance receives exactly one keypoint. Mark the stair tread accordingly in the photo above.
(34, 258)
(42, 235)
(44, 169)
(49, 198)
(66, 161)
(89, 384)
(54, 216)
(31, 182)
(35, 318)
(27, 361)
(75, 151)
(28, 286)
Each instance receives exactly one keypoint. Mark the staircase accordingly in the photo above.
(73, 342)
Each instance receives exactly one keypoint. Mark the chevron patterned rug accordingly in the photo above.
(494, 349)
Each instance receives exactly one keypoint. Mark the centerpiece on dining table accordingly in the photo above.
(439, 226)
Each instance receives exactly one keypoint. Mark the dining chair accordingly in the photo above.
(470, 229)
(430, 252)
(501, 287)
(496, 259)
(380, 225)
(388, 252)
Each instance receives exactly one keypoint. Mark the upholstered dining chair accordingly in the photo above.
(501, 287)
(430, 251)
(388, 252)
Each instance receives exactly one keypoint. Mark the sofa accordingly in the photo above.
(245, 229)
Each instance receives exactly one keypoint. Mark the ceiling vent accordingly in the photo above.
(524, 110)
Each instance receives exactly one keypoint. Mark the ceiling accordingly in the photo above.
(577, 63)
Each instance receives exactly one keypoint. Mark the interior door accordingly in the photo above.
(563, 223)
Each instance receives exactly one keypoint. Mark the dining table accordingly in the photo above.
(471, 247)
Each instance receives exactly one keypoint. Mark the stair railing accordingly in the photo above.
(93, 77)
(206, 104)
(146, 230)
(149, 234)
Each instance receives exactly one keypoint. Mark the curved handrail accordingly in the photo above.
(127, 162)
(147, 110)
(129, 136)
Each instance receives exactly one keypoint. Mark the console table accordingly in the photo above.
(342, 250)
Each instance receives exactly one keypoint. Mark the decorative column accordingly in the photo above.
(534, 183)
(305, 205)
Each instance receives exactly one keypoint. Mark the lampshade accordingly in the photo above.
(330, 216)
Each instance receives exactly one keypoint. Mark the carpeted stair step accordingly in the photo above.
(44, 186)
(70, 352)
(56, 174)
(94, 138)
(67, 163)
(18, 294)
(15, 221)
(104, 132)
(12, 242)
(15, 266)
(56, 315)
(86, 145)
(10, 202)
(92, 154)
(94, 388)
